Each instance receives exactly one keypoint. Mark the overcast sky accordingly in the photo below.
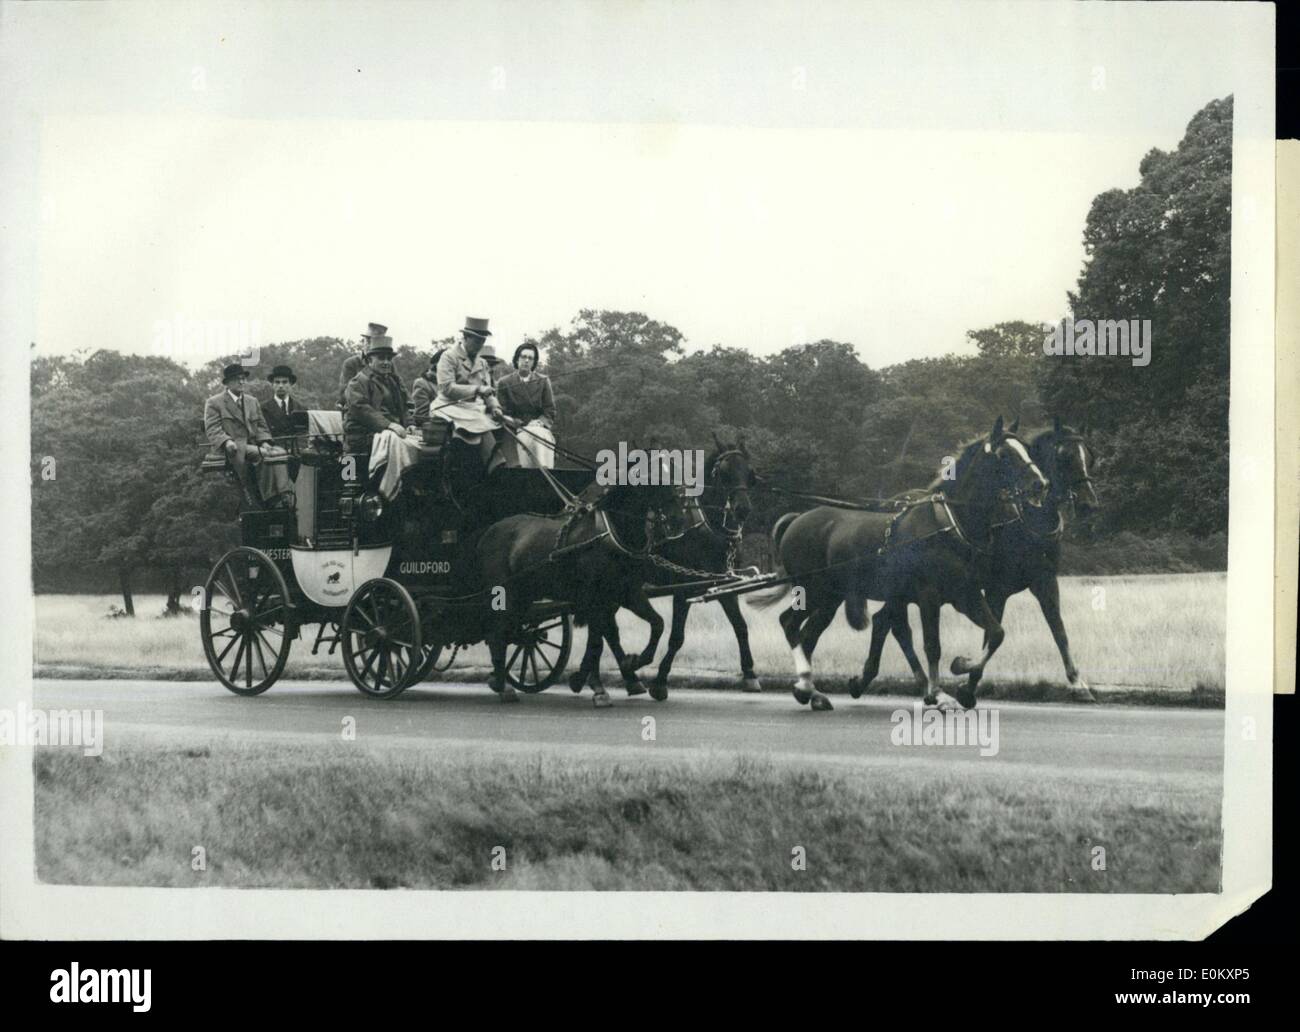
(756, 175)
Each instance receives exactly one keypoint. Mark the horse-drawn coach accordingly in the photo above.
(391, 585)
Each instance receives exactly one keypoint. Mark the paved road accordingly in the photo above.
(1094, 741)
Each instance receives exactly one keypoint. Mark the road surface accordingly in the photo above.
(1094, 741)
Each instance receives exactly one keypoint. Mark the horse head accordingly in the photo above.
(999, 468)
(1068, 461)
(729, 474)
(645, 514)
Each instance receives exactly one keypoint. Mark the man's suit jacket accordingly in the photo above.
(279, 422)
(373, 401)
(225, 419)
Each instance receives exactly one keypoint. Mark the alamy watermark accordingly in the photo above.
(921, 726)
(637, 467)
(81, 728)
(180, 337)
(1103, 337)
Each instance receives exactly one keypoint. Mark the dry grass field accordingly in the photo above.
(1149, 631)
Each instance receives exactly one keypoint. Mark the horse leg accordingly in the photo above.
(792, 621)
(731, 606)
(821, 619)
(604, 627)
(626, 665)
(676, 635)
(903, 635)
(589, 668)
(976, 608)
(639, 604)
(934, 695)
(497, 647)
(880, 625)
(1048, 593)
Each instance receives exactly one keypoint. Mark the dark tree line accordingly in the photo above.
(116, 438)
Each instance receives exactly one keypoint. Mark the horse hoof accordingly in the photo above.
(497, 686)
(802, 696)
(751, 684)
(634, 688)
(601, 700)
(576, 683)
(960, 665)
(820, 702)
(966, 696)
(1080, 692)
(659, 691)
(855, 687)
(508, 694)
(931, 699)
(946, 703)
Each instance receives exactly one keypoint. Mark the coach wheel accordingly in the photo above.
(245, 621)
(432, 653)
(382, 646)
(539, 654)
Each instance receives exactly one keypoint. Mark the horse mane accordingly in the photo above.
(968, 450)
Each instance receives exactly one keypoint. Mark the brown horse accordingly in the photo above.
(592, 557)
(1025, 554)
(715, 522)
(929, 552)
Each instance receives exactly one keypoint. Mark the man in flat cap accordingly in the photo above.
(376, 419)
(466, 397)
(234, 425)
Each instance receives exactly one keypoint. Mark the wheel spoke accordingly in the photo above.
(261, 658)
(234, 584)
(230, 595)
(274, 652)
(224, 652)
(239, 655)
(539, 654)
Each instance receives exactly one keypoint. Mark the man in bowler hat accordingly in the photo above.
(234, 425)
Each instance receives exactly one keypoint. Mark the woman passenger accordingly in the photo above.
(526, 396)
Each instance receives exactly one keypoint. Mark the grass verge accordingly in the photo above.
(290, 817)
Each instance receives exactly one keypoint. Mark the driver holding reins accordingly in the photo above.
(466, 397)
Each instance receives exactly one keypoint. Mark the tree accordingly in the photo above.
(1160, 251)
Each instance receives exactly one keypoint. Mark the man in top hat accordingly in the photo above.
(376, 416)
(282, 402)
(354, 363)
(234, 424)
(466, 397)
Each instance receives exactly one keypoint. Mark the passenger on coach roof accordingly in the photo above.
(424, 390)
(374, 398)
(526, 396)
(466, 398)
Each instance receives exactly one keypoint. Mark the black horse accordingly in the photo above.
(930, 552)
(1026, 554)
(593, 557)
(715, 521)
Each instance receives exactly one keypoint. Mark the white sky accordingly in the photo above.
(755, 175)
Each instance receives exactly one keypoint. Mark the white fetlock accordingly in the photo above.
(601, 700)
(945, 703)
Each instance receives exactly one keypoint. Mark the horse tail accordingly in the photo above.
(769, 598)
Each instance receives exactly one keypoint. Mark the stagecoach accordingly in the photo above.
(388, 585)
